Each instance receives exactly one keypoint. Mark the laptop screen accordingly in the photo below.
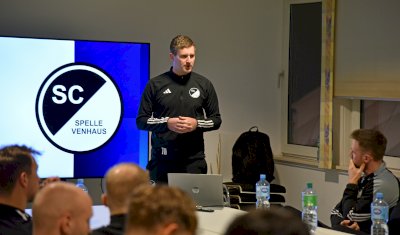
(205, 189)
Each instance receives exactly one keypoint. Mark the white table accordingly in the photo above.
(325, 231)
(101, 216)
(216, 222)
(210, 223)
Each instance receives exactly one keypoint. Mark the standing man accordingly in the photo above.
(367, 176)
(177, 107)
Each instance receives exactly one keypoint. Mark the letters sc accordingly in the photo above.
(61, 94)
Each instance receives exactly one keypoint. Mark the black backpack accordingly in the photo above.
(252, 156)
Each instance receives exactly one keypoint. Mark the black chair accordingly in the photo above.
(243, 199)
(394, 220)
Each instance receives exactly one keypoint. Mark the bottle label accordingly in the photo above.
(310, 200)
(263, 191)
(379, 212)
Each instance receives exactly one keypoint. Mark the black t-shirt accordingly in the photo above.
(14, 221)
(116, 226)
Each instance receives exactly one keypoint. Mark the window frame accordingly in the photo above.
(291, 152)
(347, 119)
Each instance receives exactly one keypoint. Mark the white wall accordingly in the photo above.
(238, 48)
(367, 45)
(329, 186)
(238, 42)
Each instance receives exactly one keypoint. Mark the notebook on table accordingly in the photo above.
(205, 189)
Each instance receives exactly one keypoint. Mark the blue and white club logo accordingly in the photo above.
(194, 92)
(78, 107)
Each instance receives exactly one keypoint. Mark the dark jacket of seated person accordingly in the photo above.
(394, 220)
(367, 175)
(356, 201)
(116, 226)
(14, 221)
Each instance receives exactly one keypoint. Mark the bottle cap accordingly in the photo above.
(379, 195)
(262, 176)
(79, 181)
(309, 185)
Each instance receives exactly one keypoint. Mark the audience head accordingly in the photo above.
(371, 142)
(267, 222)
(120, 180)
(61, 208)
(19, 181)
(160, 209)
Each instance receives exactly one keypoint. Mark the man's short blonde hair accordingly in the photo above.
(372, 141)
(179, 42)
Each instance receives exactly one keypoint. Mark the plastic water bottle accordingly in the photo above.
(262, 193)
(309, 213)
(379, 215)
(80, 183)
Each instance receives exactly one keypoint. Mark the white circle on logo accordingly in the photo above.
(78, 108)
(194, 92)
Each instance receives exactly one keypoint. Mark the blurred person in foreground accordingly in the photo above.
(61, 208)
(120, 180)
(160, 210)
(275, 221)
(19, 183)
(367, 175)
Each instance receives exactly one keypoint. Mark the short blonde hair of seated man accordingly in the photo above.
(161, 209)
(120, 180)
(61, 208)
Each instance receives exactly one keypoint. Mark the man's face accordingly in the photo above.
(357, 155)
(33, 184)
(183, 61)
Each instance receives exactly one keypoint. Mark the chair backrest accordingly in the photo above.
(245, 200)
(394, 219)
(394, 216)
